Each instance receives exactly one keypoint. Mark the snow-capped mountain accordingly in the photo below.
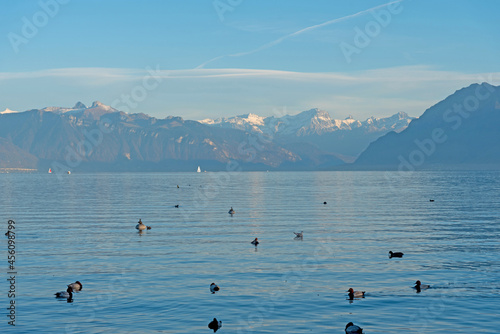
(96, 108)
(8, 111)
(310, 122)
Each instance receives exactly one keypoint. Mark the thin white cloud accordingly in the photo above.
(81, 72)
(395, 75)
(203, 93)
(392, 74)
(299, 32)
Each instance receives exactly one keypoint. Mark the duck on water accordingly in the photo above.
(395, 254)
(77, 286)
(355, 294)
(419, 286)
(214, 288)
(215, 325)
(68, 294)
(141, 227)
(351, 328)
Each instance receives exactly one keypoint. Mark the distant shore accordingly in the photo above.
(18, 170)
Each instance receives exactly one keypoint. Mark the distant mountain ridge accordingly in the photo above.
(40, 137)
(460, 132)
(344, 139)
(75, 138)
(310, 122)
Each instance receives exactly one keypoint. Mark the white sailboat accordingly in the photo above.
(198, 170)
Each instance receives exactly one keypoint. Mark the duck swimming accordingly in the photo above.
(68, 294)
(141, 227)
(355, 294)
(215, 325)
(231, 211)
(351, 328)
(419, 286)
(214, 288)
(77, 286)
(395, 254)
(299, 235)
(255, 242)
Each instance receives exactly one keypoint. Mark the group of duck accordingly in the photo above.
(215, 324)
(350, 328)
(68, 294)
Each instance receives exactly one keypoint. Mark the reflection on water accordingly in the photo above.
(82, 227)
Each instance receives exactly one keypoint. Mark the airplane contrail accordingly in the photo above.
(281, 39)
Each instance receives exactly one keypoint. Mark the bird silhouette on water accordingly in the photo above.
(215, 325)
(351, 328)
(395, 254)
(419, 286)
(214, 288)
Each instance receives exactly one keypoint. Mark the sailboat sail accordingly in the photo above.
(199, 170)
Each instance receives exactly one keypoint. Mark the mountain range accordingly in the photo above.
(101, 138)
(345, 138)
(459, 131)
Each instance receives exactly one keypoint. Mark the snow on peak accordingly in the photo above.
(8, 111)
(208, 121)
(101, 106)
(402, 115)
(255, 119)
(96, 104)
(313, 121)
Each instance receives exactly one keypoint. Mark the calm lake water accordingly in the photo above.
(82, 227)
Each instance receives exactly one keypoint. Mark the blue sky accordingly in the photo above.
(213, 58)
